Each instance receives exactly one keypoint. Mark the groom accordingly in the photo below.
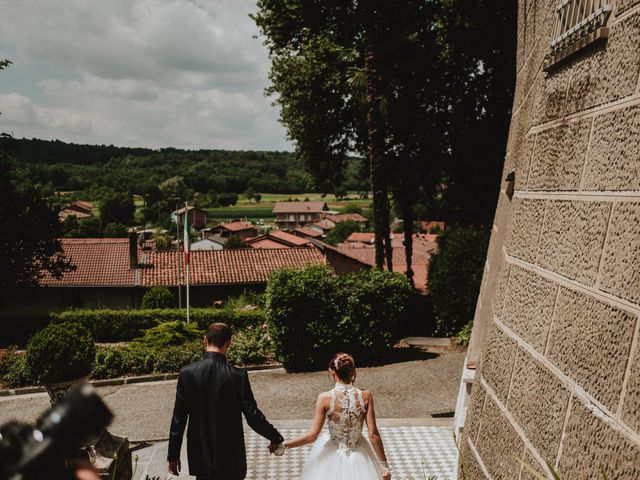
(213, 394)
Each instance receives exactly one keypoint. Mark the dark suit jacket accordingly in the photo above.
(213, 394)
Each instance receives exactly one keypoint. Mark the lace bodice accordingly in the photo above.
(346, 416)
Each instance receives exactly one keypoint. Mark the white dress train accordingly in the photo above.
(341, 452)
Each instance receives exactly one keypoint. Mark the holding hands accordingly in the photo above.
(277, 449)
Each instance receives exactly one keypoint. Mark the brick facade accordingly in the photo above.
(556, 335)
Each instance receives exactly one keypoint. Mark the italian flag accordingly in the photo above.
(186, 247)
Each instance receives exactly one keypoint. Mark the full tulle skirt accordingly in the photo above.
(327, 462)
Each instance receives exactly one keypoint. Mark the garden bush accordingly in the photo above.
(455, 274)
(169, 334)
(157, 297)
(303, 311)
(313, 313)
(251, 346)
(374, 308)
(14, 371)
(61, 352)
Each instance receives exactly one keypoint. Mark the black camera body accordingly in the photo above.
(45, 451)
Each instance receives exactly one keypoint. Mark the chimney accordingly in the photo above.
(133, 250)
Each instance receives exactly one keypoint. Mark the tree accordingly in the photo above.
(115, 230)
(250, 194)
(227, 199)
(30, 231)
(174, 189)
(258, 197)
(341, 232)
(339, 192)
(117, 208)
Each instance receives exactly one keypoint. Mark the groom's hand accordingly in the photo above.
(277, 448)
(174, 467)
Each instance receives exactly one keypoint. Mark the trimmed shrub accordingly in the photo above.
(312, 314)
(374, 311)
(157, 297)
(120, 325)
(61, 352)
(303, 313)
(169, 334)
(455, 274)
(172, 359)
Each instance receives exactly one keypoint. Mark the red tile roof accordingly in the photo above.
(227, 267)
(267, 243)
(288, 237)
(308, 232)
(235, 226)
(325, 224)
(364, 237)
(419, 261)
(300, 207)
(100, 262)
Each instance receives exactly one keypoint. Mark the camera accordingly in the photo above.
(45, 451)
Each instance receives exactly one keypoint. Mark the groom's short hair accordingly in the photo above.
(218, 334)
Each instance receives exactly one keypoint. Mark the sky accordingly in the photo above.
(147, 73)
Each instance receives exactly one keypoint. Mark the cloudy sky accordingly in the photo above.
(149, 73)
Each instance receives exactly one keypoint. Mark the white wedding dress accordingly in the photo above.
(341, 452)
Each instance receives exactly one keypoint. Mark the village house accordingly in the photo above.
(279, 239)
(234, 229)
(197, 217)
(291, 215)
(116, 272)
(79, 209)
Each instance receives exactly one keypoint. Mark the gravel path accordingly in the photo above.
(416, 386)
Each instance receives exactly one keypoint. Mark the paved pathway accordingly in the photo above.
(416, 448)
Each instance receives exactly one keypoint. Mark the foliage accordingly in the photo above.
(14, 370)
(251, 346)
(455, 273)
(352, 208)
(119, 325)
(61, 352)
(303, 313)
(163, 241)
(170, 334)
(341, 232)
(83, 228)
(172, 359)
(227, 199)
(313, 313)
(464, 335)
(117, 208)
(115, 230)
(157, 297)
(30, 231)
(373, 310)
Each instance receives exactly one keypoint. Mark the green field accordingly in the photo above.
(255, 211)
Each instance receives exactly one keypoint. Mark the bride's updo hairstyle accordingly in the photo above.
(343, 366)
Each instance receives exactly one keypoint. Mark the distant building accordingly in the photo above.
(116, 272)
(197, 217)
(291, 215)
(307, 233)
(234, 229)
(279, 239)
(347, 217)
(323, 226)
(79, 209)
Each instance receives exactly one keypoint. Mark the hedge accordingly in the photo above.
(119, 325)
(313, 314)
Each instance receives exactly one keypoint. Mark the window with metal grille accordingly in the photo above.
(579, 23)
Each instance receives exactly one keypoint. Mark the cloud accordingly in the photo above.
(182, 73)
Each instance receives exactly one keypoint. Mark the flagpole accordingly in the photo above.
(187, 244)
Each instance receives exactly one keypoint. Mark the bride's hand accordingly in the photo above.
(386, 474)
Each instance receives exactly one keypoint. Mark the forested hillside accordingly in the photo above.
(96, 169)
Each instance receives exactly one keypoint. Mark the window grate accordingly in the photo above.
(578, 24)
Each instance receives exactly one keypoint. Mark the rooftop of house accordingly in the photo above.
(105, 262)
(309, 232)
(235, 226)
(180, 211)
(227, 267)
(300, 207)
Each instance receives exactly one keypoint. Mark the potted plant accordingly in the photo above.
(60, 356)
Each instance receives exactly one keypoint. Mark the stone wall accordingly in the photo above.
(557, 324)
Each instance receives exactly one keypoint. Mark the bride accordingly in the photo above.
(341, 452)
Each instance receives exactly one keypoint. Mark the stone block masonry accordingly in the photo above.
(556, 339)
